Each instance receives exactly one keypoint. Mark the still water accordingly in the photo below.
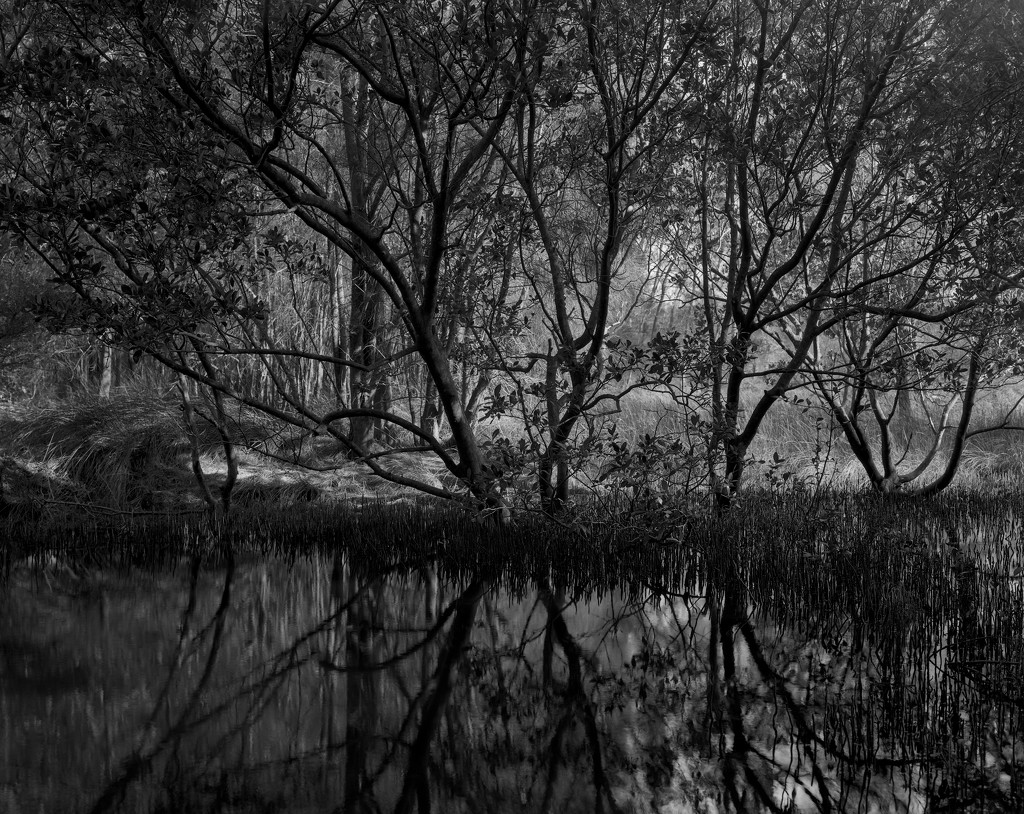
(881, 676)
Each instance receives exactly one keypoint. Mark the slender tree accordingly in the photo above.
(903, 376)
(589, 145)
(815, 206)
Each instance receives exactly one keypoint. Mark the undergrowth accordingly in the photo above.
(131, 453)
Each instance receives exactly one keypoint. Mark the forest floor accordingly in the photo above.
(133, 454)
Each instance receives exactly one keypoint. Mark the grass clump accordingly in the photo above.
(116, 453)
(132, 453)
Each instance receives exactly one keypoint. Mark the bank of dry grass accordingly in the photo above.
(133, 453)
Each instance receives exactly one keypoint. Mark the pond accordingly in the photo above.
(863, 665)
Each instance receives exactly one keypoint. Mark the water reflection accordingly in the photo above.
(877, 679)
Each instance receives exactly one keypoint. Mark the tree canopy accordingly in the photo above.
(487, 230)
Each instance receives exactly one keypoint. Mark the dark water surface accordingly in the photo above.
(863, 669)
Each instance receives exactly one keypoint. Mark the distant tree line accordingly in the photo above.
(484, 229)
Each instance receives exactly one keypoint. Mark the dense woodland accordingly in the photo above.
(595, 244)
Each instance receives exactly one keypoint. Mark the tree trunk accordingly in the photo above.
(365, 301)
(106, 365)
(363, 338)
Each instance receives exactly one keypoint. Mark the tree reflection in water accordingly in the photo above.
(866, 679)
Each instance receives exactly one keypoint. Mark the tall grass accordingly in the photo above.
(113, 453)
